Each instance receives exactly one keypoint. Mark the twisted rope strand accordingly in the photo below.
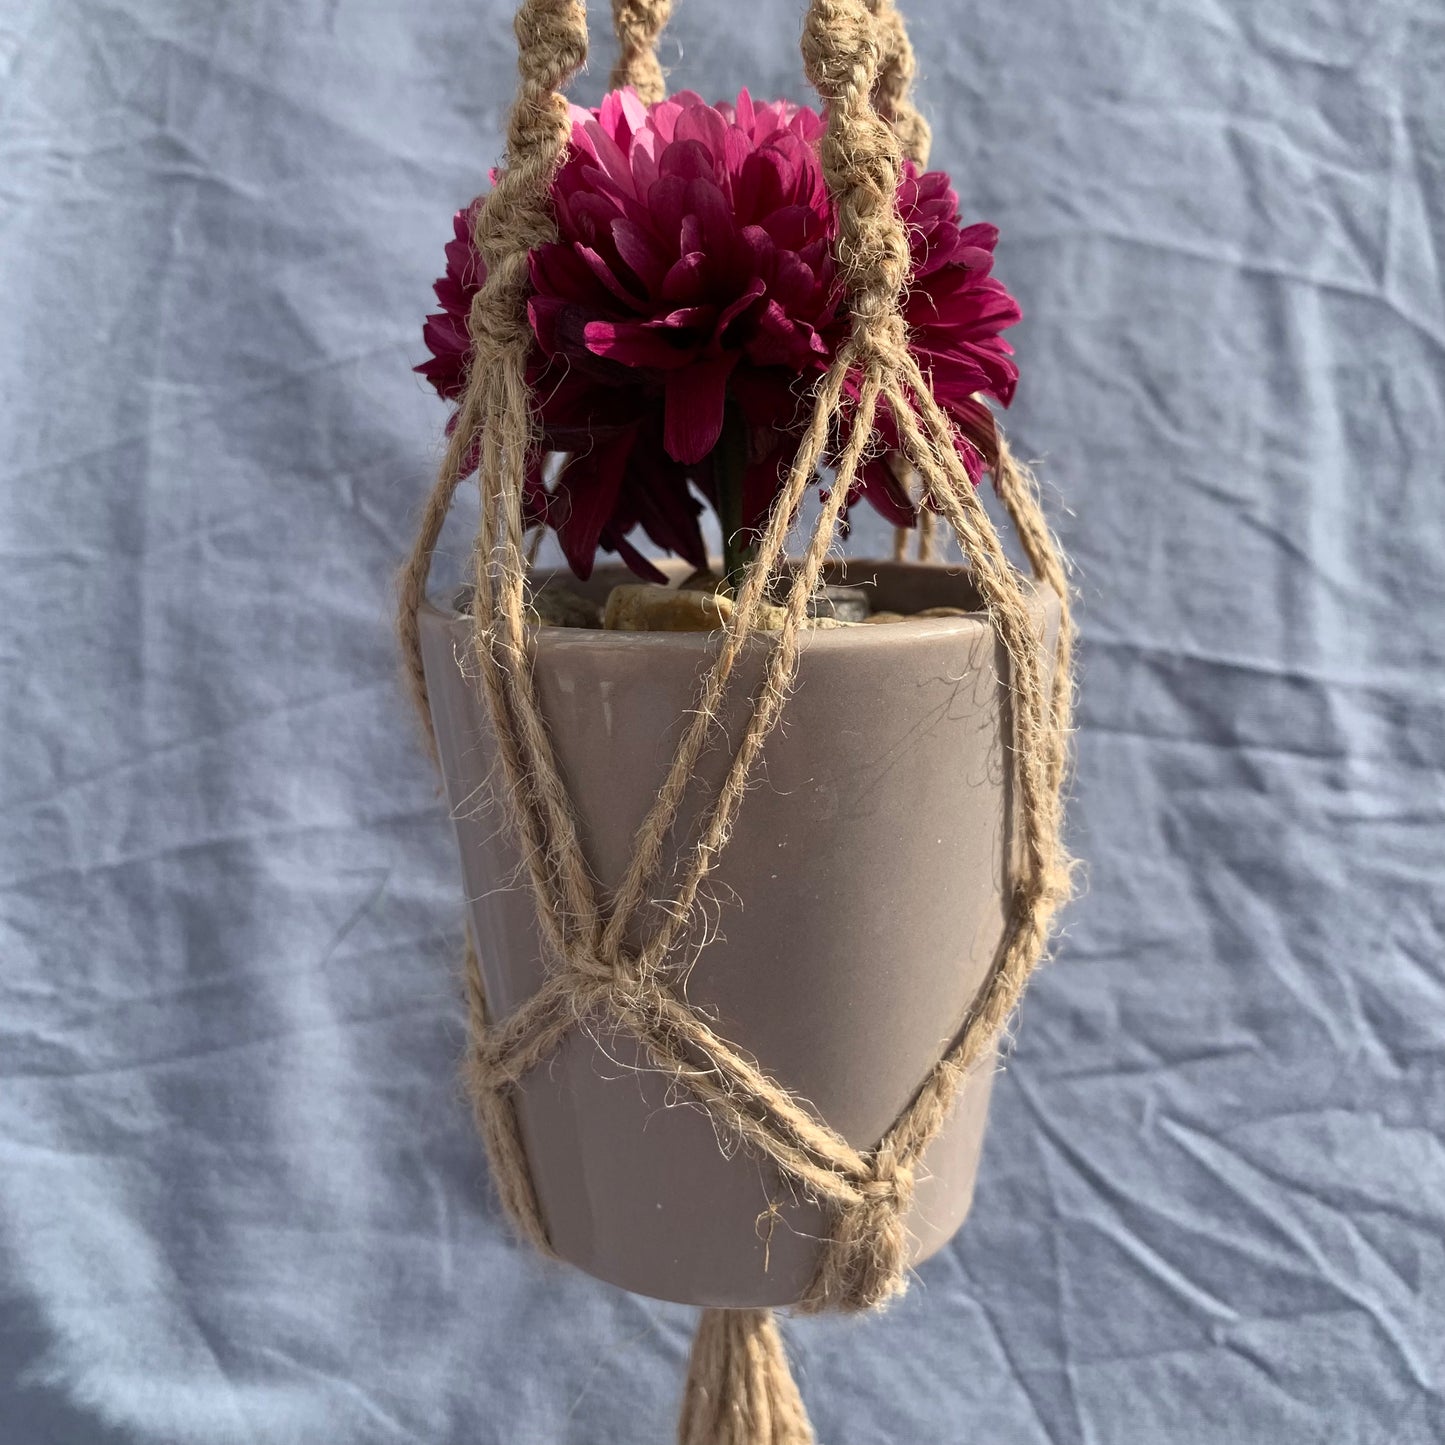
(496, 1116)
(1004, 597)
(639, 24)
(772, 692)
(892, 98)
(739, 1391)
(893, 92)
(552, 46)
(1019, 491)
(411, 595)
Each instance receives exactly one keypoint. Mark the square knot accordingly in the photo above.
(627, 997)
(840, 47)
(865, 1258)
(886, 1168)
(870, 1244)
(586, 962)
(878, 1193)
(884, 1197)
(880, 335)
(887, 1190)
(497, 331)
(591, 961)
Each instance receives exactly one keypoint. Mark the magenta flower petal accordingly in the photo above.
(748, 302)
(688, 160)
(637, 344)
(640, 254)
(463, 262)
(686, 279)
(585, 496)
(706, 126)
(696, 396)
(636, 561)
(452, 295)
(609, 276)
(882, 490)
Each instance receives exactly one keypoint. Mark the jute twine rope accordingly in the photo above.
(857, 56)
(893, 99)
(639, 24)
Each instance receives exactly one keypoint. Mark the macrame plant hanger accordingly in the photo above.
(858, 58)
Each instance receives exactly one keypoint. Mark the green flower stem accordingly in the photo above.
(730, 464)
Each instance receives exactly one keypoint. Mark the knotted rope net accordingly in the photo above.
(857, 56)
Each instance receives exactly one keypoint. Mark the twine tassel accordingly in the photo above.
(740, 1390)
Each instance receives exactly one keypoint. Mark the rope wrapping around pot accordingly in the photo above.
(857, 56)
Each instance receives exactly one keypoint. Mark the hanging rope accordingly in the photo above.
(857, 57)
(638, 24)
(893, 100)
(893, 91)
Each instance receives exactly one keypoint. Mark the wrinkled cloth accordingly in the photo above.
(240, 1195)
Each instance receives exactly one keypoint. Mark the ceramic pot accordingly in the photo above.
(852, 918)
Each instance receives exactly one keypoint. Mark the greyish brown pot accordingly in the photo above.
(852, 919)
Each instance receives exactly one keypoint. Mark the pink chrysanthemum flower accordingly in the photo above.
(689, 303)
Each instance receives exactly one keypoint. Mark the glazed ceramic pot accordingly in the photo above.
(851, 920)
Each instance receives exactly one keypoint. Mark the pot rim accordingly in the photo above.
(862, 636)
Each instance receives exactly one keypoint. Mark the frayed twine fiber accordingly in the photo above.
(857, 56)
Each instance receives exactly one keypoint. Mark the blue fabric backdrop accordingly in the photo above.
(240, 1197)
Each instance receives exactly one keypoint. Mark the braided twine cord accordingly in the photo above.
(857, 56)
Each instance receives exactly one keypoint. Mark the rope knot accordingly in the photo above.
(865, 1258)
(880, 335)
(872, 244)
(508, 230)
(885, 1173)
(585, 962)
(551, 41)
(840, 49)
(628, 997)
(861, 155)
(497, 331)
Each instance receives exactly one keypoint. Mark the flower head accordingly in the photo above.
(692, 288)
